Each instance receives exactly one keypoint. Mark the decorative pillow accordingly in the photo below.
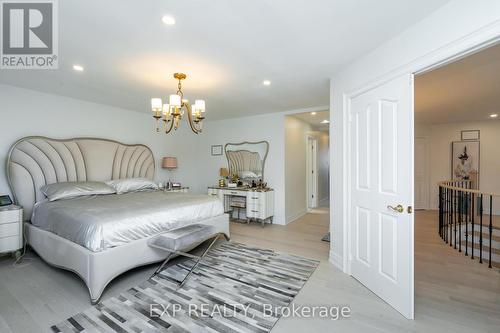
(132, 185)
(67, 190)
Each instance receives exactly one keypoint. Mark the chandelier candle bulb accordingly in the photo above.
(166, 109)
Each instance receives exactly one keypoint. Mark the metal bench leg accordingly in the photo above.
(163, 264)
(198, 260)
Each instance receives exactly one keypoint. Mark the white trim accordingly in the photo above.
(295, 216)
(335, 259)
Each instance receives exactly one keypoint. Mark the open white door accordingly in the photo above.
(312, 172)
(381, 191)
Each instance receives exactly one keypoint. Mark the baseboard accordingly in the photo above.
(336, 260)
(296, 216)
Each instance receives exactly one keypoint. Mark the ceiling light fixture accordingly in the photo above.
(168, 20)
(494, 115)
(313, 113)
(325, 121)
(172, 112)
(266, 82)
(78, 68)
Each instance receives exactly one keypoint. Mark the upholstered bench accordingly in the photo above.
(180, 240)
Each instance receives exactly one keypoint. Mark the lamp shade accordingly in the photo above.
(175, 100)
(156, 104)
(223, 172)
(169, 162)
(199, 105)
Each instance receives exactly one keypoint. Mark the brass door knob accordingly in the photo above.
(398, 208)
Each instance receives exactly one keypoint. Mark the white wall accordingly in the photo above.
(296, 133)
(25, 113)
(440, 137)
(454, 27)
(268, 127)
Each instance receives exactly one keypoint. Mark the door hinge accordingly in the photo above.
(410, 209)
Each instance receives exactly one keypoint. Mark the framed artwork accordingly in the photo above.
(470, 135)
(465, 158)
(216, 150)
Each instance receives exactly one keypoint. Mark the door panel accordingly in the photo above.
(381, 169)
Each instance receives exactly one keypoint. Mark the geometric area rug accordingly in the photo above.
(235, 288)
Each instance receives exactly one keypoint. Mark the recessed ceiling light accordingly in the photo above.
(78, 68)
(494, 115)
(325, 121)
(168, 20)
(266, 82)
(313, 113)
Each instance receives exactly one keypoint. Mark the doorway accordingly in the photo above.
(372, 240)
(307, 164)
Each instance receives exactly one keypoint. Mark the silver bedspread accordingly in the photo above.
(105, 221)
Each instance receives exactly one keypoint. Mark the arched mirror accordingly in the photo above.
(247, 159)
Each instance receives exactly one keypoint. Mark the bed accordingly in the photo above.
(98, 237)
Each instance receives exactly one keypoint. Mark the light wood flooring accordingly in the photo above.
(453, 294)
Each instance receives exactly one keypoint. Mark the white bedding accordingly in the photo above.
(104, 221)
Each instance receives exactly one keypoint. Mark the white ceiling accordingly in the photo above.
(227, 48)
(465, 90)
(315, 120)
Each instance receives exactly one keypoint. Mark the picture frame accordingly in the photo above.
(470, 135)
(216, 150)
(465, 160)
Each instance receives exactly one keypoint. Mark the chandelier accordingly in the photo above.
(172, 113)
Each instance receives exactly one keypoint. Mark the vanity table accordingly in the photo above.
(259, 202)
(246, 161)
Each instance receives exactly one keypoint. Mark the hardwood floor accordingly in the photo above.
(453, 293)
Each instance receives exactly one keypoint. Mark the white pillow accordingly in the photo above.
(67, 190)
(247, 174)
(131, 185)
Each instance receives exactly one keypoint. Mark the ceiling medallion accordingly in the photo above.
(172, 113)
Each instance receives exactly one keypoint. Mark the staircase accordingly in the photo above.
(473, 241)
(464, 224)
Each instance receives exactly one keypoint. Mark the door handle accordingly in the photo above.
(398, 208)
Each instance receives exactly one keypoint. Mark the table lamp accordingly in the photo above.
(169, 163)
(224, 173)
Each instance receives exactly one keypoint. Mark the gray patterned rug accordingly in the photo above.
(234, 289)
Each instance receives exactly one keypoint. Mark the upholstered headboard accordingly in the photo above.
(36, 161)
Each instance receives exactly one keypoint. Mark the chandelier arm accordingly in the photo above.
(190, 118)
(171, 126)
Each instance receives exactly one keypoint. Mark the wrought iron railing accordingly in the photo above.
(463, 222)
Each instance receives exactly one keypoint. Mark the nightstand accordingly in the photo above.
(11, 229)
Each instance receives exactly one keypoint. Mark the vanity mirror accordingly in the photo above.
(247, 160)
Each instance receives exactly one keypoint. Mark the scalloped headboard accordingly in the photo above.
(36, 161)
